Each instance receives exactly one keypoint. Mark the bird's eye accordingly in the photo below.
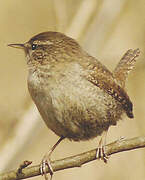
(34, 46)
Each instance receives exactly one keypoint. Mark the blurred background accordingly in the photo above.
(106, 29)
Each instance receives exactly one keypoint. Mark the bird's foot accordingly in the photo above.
(43, 167)
(46, 161)
(101, 150)
(101, 154)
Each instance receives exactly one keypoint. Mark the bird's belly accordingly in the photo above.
(83, 112)
(78, 111)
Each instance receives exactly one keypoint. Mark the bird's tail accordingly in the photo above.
(125, 65)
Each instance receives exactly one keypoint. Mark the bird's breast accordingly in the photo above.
(73, 107)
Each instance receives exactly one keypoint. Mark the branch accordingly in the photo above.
(24, 128)
(85, 12)
(77, 160)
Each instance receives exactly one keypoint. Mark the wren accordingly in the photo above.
(77, 96)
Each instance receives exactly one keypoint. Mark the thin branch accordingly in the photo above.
(103, 24)
(60, 13)
(77, 160)
(81, 18)
(27, 124)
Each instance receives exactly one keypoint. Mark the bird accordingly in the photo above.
(77, 96)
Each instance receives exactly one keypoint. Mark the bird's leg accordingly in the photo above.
(101, 150)
(46, 161)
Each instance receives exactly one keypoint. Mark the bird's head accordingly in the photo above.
(49, 47)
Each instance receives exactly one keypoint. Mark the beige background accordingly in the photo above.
(106, 29)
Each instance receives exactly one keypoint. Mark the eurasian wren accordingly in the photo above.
(77, 96)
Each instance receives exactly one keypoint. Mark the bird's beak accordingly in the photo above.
(20, 46)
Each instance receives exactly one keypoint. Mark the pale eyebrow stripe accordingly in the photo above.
(47, 42)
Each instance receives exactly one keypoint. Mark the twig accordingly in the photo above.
(81, 18)
(23, 165)
(60, 14)
(28, 123)
(77, 160)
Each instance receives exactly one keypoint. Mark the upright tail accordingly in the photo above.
(125, 65)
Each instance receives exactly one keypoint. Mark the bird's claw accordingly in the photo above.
(47, 163)
(101, 154)
(43, 168)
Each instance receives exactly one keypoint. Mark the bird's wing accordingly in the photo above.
(100, 76)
